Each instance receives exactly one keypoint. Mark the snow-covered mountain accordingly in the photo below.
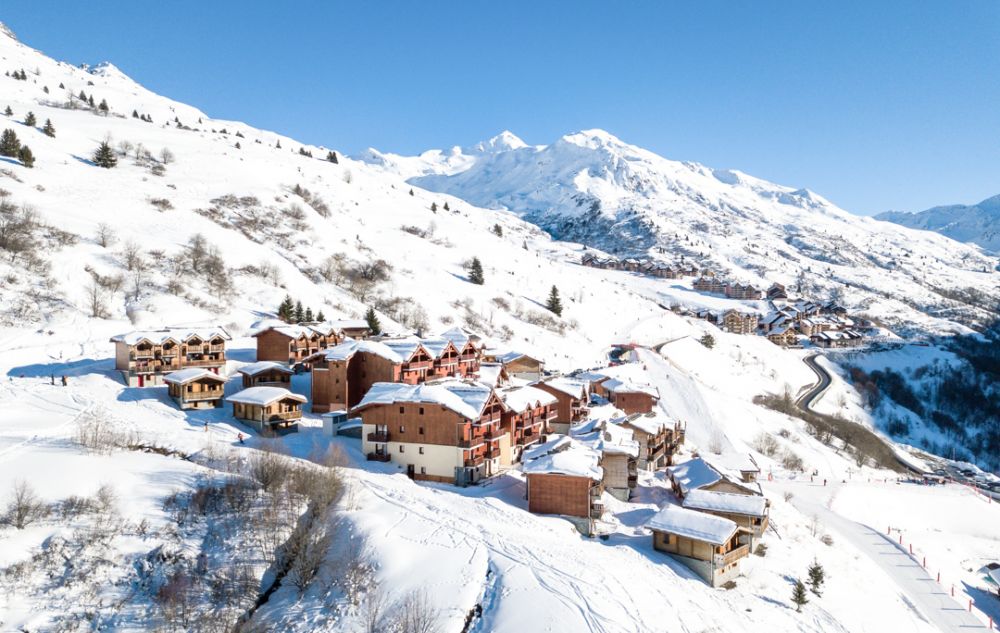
(974, 223)
(593, 188)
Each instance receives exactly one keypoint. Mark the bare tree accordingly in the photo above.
(105, 235)
(166, 156)
(25, 507)
(417, 614)
(96, 301)
(125, 147)
(375, 609)
(132, 255)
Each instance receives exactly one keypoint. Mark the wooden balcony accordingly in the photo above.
(721, 560)
(378, 457)
(477, 460)
(199, 396)
(287, 415)
(470, 443)
(379, 436)
(218, 362)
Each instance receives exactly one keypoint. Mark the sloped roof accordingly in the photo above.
(568, 386)
(729, 502)
(179, 335)
(262, 366)
(345, 350)
(562, 455)
(491, 373)
(693, 474)
(467, 399)
(184, 376)
(699, 526)
(607, 437)
(510, 357)
(521, 398)
(263, 396)
(652, 423)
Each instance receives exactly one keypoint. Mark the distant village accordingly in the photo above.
(787, 323)
(452, 410)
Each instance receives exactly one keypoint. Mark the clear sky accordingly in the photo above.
(876, 104)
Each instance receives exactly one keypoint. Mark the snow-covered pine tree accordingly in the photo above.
(27, 158)
(104, 156)
(332, 157)
(309, 315)
(817, 576)
(476, 272)
(300, 313)
(9, 143)
(799, 596)
(8, 112)
(30, 120)
(554, 303)
(320, 317)
(373, 323)
(48, 129)
(104, 106)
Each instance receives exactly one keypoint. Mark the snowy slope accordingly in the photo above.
(593, 188)
(975, 223)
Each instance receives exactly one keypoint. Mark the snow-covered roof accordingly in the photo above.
(699, 526)
(490, 373)
(436, 346)
(615, 385)
(521, 398)
(562, 455)
(651, 423)
(510, 357)
(729, 502)
(568, 386)
(607, 437)
(467, 399)
(158, 337)
(693, 474)
(349, 324)
(262, 366)
(184, 376)
(457, 335)
(263, 396)
(738, 462)
(406, 347)
(345, 350)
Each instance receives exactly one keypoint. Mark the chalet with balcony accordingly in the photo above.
(631, 397)
(518, 365)
(777, 292)
(145, 357)
(709, 284)
(736, 322)
(619, 455)
(698, 474)
(343, 374)
(470, 354)
(656, 435)
(743, 292)
(449, 431)
(292, 344)
(266, 373)
(564, 477)
(356, 329)
(529, 411)
(269, 410)
(783, 336)
(571, 401)
(749, 512)
(837, 339)
(195, 388)
(711, 546)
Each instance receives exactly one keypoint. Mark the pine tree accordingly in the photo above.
(9, 144)
(61, 86)
(707, 340)
(332, 157)
(49, 130)
(10, 112)
(278, 145)
(434, 207)
(104, 156)
(104, 106)
(309, 315)
(45, 89)
(799, 596)
(476, 272)
(446, 207)
(373, 322)
(286, 311)
(30, 120)
(135, 114)
(27, 158)
(90, 101)
(238, 146)
(320, 317)
(554, 304)
(816, 578)
(498, 230)
(82, 96)
(300, 314)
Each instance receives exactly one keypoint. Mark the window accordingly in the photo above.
(421, 450)
(402, 429)
(401, 410)
(420, 430)
(421, 412)
(423, 470)
(401, 447)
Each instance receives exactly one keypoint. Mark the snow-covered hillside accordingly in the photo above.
(974, 223)
(593, 188)
(158, 517)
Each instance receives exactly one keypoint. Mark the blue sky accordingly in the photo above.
(875, 105)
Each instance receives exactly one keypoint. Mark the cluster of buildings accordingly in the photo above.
(648, 267)
(714, 285)
(446, 409)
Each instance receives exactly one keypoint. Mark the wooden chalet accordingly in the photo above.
(838, 339)
(619, 455)
(737, 322)
(750, 512)
(630, 397)
(710, 285)
(783, 336)
(448, 431)
(518, 365)
(195, 388)
(743, 292)
(292, 344)
(266, 373)
(144, 357)
(698, 474)
(657, 436)
(565, 477)
(777, 292)
(711, 546)
(572, 397)
(529, 411)
(269, 410)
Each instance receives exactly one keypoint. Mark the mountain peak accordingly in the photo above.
(6, 30)
(593, 138)
(502, 142)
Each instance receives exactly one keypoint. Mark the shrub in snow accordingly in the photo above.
(24, 507)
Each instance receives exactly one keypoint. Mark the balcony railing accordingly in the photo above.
(203, 395)
(187, 362)
(471, 443)
(286, 415)
(475, 461)
(721, 560)
(379, 436)
(378, 457)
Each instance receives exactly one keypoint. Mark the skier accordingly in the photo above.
(239, 436)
